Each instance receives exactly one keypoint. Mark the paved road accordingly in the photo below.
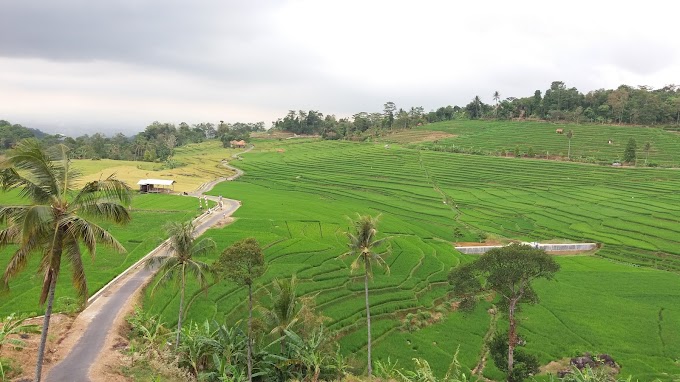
(75, 367)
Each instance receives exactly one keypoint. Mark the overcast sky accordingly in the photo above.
(81, 66)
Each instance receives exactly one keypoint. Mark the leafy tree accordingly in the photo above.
(180, 260)
(389, 110)
(55, 223)
(363, 244)
(242, 263)
(617, 100)
(475, 108)
(570, 134)
(508, 271)
(630, 154)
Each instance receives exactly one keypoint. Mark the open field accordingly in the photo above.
(296, 195)
(589, 143)
(202, 163)
(144, 233)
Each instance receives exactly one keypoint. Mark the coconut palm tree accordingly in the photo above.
(283, 312)
(55, 223)
(363, 244)
(179, 261)
(496, 97)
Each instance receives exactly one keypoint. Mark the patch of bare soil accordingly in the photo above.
(417, 136)
(554, 367)
(225, 221)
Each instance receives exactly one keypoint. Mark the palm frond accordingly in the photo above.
(90, 234)
(199, 270)
(203, 247)
(19, 260)
(168, 270)
(10, 235)
(29, 156)
(72, 250)
(108, 190)
(37, 220)
(110, 211)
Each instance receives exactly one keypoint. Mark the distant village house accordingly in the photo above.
(559, 131)
(156, 185)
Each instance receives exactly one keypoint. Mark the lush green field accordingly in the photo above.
(296, 196)
(144, 233)
(589, 143)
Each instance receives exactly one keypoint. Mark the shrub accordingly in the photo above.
(525, 365)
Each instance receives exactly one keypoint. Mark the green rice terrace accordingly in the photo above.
(590, 142)
(297, 196)
(623, 301)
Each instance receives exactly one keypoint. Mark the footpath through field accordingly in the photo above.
(106, 305)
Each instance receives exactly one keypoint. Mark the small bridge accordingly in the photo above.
(571, 247)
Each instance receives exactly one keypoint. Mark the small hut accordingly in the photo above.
(156, 185)
(237, 144)
(559, 131)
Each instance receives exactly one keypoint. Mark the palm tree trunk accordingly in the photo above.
(512, 336)
(181, 306)
(569, 150)
(46, 325)
(368, 324)
(250, 327)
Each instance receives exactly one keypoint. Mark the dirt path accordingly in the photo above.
(89, 345)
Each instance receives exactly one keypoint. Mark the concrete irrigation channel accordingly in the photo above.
(551, 248)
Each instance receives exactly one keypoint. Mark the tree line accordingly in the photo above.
(641, 105)
(155, 144)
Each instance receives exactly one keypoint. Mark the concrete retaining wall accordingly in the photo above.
(478, 250)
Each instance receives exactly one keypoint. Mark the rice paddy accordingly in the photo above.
(296, 197)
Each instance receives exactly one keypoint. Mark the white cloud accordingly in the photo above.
(90, 65)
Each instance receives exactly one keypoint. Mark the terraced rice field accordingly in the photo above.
(589, 143)
(296, 196)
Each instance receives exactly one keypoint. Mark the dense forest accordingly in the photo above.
(155, 143)
(640, 105)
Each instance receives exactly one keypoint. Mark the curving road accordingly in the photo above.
(106, 304)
